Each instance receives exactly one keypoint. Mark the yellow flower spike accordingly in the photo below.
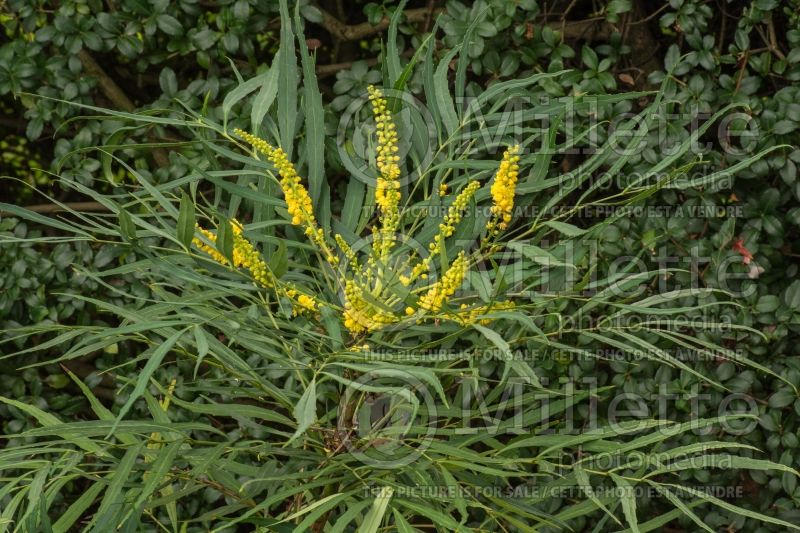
(456, 211)
(210, 250)
(503, 190)
(440, 291)
(298, 201)
(448, 226)
(256, 142)
(307, 302)
(244, 254)
(301, 303)
(387, 188)
(360, 316)
(467, 316)
(387, 157)
(349, 254)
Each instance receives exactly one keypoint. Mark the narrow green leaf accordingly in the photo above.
(682, 507)
(628, 499)
(109, 513)
(444, 99)
(353, 510)
(265, 97)
(48, 420)
(201, 343)
(157, 474)
(186, 221)
(305, 412)
(408, 70)
(314, 119)
(586, 485)
(102, 412)
(238, 93)
(567, 229)
(144, 376)
(741, 511)
(224, 242)
(279, 260)
(78, 507)
(392, 53)
(424, 509)
(375, 515)
(401, 523)
(287, 82)
(127, 229)
(353, 204)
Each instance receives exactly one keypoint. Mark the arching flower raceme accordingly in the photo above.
(298, 201)
(301, 303)
(246, 256)
(440, 291)
(503, 190)
(372, 299)
(210, 250)
(349, 254)
(387, 188)
(361, 316)
(466, 315)
(446, 229)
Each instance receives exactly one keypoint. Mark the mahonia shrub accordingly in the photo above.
(370, 296)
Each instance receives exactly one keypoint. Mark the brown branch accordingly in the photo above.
(592, 29)
(333, 68)
(579, 29)
(429, 18)
(106, 84)
(644, 46)
(354, 32)
(76, 206)
(117, 96)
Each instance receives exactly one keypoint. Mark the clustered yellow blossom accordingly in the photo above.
(456, 211)
(301, 302)
(467, 316)
(348, 252)
(503, 190)
(360, 315)
(387, 189)
(210, 250)
(446, 229)
(298, 201)
(244, 254)
(438, 293)
(369, 299)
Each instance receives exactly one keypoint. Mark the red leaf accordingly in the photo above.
(738, 247)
